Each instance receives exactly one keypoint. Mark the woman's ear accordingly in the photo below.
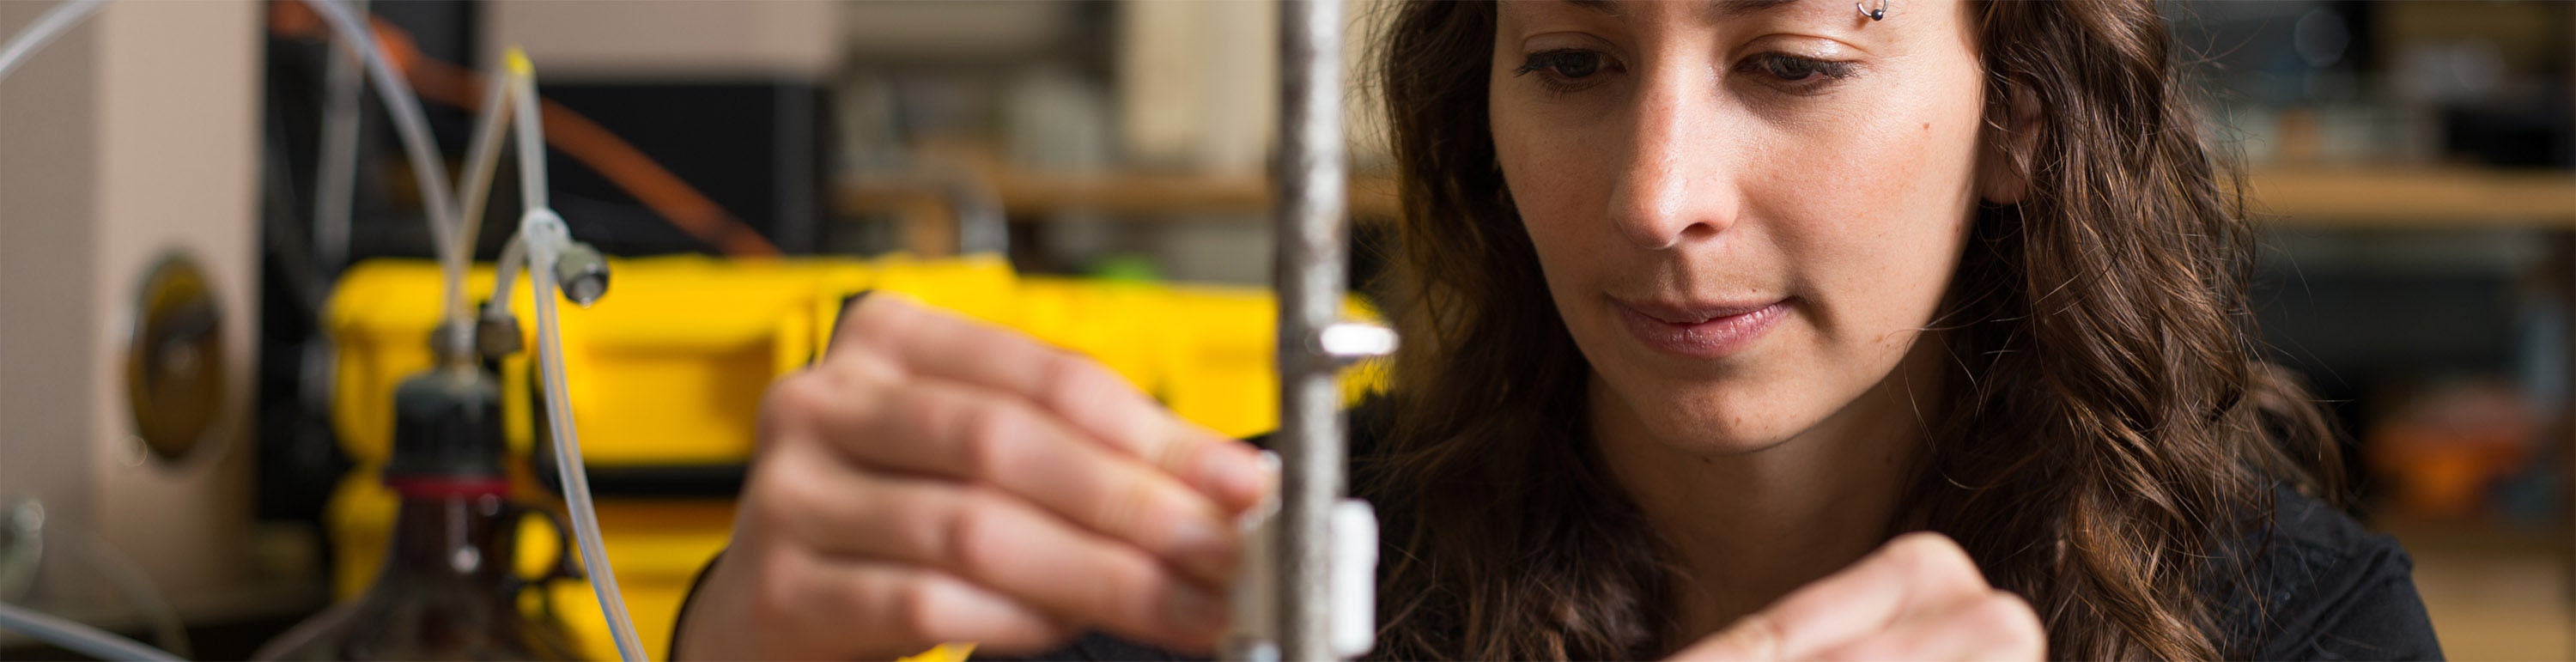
(2003, 173)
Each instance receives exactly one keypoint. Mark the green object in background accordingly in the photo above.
(1127, 268)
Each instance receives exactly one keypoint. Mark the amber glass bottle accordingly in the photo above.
(450, 587)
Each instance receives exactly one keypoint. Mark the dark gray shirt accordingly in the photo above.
(2331, 591)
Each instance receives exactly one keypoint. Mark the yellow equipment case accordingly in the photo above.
(665, 376)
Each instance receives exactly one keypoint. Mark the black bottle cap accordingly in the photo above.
(447, 424)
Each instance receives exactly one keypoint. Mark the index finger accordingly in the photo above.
(1095, 401)
(1916, 571)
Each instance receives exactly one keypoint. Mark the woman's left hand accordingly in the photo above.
(1917, 598)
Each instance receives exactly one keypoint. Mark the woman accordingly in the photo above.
(1812, 277)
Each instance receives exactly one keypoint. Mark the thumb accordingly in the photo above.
(1755, 638)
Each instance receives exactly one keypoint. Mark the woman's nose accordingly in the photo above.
(1677, 179)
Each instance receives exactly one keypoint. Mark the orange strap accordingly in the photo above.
(585, 141)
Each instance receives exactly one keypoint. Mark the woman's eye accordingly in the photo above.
(1567, 69)
(1570, 64)
(1798, 73)
(1789, 68)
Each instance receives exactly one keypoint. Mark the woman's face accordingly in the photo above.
(1747, 210)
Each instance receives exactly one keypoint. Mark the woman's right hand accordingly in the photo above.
(938, 479)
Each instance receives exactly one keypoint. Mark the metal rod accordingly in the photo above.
(1310, 274)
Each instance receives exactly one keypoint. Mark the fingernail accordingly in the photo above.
(1239, 475)
(1205, 549)
(1192, 611)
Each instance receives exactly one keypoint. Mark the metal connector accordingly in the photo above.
(451, 342)
(1345, 343)
(581, 273)
(497, 336)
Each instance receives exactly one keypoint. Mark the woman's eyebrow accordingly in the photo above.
(1717, 9)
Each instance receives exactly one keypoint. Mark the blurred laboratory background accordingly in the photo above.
(216, 273)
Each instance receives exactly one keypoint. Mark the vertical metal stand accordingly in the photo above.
(1311, 259)
(1307, 592)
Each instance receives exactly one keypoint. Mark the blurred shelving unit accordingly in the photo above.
(928, 219)
(2327, 196)
(2495, 589)
(1147, 196)
(2412, 196)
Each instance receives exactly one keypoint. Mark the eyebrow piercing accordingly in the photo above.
(1878, 14)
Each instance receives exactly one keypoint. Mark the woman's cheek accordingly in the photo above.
(1557, 205)
(1895, 242)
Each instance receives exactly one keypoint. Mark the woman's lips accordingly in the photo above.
(1707, 332)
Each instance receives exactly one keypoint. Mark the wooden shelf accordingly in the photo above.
(2494, 591)
(2414, 197)
(1145, 196)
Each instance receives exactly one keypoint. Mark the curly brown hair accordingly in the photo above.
(2125, 428)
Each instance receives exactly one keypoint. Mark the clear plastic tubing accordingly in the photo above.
(477, 188)
(413, 128)
(53, 24)
(505, 275)
(344, 81)
(410, 124)
(409, 121)
(76, 637)
(543, 236)
(532, 132)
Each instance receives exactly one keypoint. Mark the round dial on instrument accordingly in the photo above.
(175, 368)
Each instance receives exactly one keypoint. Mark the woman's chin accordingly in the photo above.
(1746, 409)
(1718, 440)
(1718, 424)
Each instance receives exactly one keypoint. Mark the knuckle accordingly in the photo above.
(916, 617)
(778, 503)
(2009, 620)
(918, 527)
(986, 438)
(1174, 450)
(1069, 380)
(860, 369)
(796, 398)
(1113, 590)
(871, 316)
(860, 307)
(1937, 555)
(2014, 614)
(781, 494)
(1123, 511)
(1756, 637)
(1924, 544)
(1991, 613)
(796, 490)
(1059, 373)
(973, 539)
(775, 591)
(759, 518)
